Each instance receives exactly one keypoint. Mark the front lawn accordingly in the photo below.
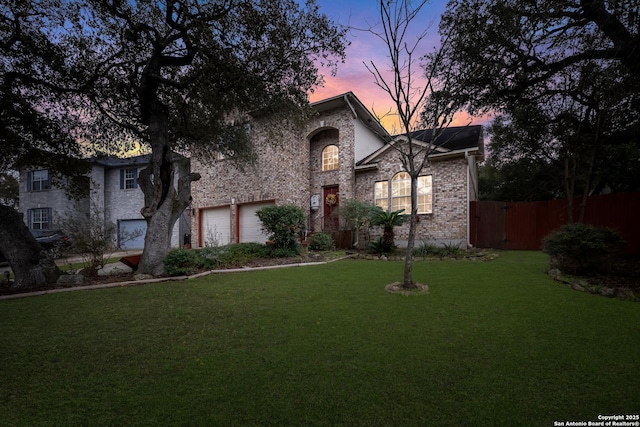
(493, 343)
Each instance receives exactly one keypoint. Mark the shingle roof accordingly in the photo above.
(114, 162)
(451, 141)
(453, 138)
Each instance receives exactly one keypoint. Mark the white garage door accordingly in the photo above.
(131, 233)
(216, 227)
(250, 225)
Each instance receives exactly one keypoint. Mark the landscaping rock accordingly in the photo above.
(607, 292)
(626, 294)
(555, 273)
(142, 277)
(397, 288)
(578, 286)
(114, 269)
(67, 280)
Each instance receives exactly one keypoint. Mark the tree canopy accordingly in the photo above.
(523, 49)
(201, 64)
(35, 129)
(181, 77)
(561, 77)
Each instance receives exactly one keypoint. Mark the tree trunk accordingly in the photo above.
(413, 221)
(30, 263)
(166, 184)
(388, 238)
(165, 200)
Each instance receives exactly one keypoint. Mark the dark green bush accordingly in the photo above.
(209, 258)
(239, 254)
(321, 242)
(233, 255)
(283, 252)
(380, 247)
(285, 224)
(444, 250)
(582, 249)
(429, 250)
(180, 262)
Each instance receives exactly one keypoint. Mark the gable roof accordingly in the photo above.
(358, 110)
(452, 141)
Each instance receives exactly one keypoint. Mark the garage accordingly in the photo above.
(250, 226)
(131, 233)
(216, 227)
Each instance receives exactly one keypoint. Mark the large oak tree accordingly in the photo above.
(35, 129)
(561, 75)
(181, 76)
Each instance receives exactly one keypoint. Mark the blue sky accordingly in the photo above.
(352, 75)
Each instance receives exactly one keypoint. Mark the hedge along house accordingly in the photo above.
(113, 195)
(341, 153)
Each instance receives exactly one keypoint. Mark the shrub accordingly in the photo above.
(208, 257)
(239, 254)
(321, 242)
(285, 224)
(444, 250)
(581, 249)
(282, 252)
(180, 262)
(429, 250)
(388, 220)
(234, 255)
(380, 247)
(358, 215)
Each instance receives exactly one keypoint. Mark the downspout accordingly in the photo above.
(470, 162)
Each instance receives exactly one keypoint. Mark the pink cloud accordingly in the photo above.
(353, 76)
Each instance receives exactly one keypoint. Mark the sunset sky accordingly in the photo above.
(352, 75)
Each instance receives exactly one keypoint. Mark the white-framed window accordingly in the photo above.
(330, 158)
(381, 194)
(39, 218)
(396, 194)
(128, 178)
(425, 194)
(401, 192)
(38, 180)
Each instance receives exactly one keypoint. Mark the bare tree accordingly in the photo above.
(421, 92)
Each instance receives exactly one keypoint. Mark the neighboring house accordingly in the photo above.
(341, 153)
(114, 194)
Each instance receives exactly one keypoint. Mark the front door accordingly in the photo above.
(331, 202)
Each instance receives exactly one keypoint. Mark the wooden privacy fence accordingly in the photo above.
(523, 225)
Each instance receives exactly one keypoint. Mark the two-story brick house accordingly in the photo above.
(341, 153)
(114, 195)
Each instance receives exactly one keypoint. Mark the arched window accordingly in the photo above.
(401, 193)
(330, 158)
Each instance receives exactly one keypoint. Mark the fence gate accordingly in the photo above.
(488, 224)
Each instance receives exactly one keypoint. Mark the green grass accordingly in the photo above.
(494, 343)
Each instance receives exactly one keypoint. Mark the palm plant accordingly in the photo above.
(388, 220)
